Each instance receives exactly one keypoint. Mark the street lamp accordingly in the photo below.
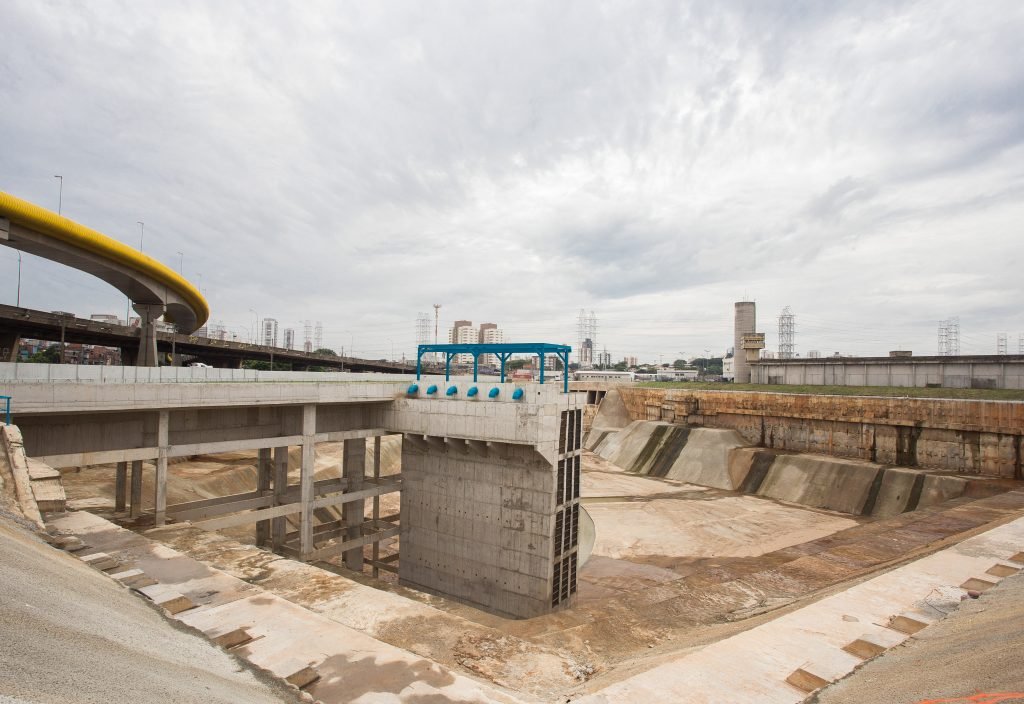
(181, 263)
(60, 194)
(142, 235)
(19, 279)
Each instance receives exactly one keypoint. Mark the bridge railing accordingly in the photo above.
(13, 372)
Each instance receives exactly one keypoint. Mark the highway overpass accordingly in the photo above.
(154, 289)
(19, 323)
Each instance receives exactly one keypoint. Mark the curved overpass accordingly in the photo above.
(153, 288)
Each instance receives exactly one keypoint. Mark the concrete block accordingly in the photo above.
(909, 623)
(135, 578)
(979, 584)
(100, 561)
(232, 639)
(1002, 570)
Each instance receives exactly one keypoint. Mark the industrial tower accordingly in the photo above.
(787, 334)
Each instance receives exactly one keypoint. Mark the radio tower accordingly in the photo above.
(1001, 343)
(787, 334)
(318, 336)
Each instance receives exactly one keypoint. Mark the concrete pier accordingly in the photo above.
(489, 508)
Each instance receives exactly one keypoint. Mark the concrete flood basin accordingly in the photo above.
(698, 539)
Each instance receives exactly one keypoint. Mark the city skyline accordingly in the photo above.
(659, 165)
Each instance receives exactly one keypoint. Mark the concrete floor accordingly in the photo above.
(71, 634)
(676, 568)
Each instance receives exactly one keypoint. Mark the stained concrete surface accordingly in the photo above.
(71, 634)
(977, 649)
(634, 610)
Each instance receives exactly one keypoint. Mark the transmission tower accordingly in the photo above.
(1020, 344)
(586, 336)
(307, 335)
(318, 335)
(787, 334)
(422, 329)
(1001, 343)
(949, 337)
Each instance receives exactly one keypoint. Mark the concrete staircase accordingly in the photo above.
(328, 660)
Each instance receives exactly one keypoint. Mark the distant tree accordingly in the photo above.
(517, 364)
(680, 364)
(325, 350)
(619, 366)
(51, 355)
(265, 366)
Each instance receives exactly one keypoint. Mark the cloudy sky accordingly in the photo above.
(860, 162)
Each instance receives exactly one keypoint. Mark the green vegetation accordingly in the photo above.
(912, 392)
(265, 366)
(51, 355)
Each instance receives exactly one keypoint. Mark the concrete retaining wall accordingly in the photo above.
(720, 459)
(974, 437)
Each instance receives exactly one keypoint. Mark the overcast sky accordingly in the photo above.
(355, 163)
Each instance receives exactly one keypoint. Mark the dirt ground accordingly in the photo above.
(674, 566)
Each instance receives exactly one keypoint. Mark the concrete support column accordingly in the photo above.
(9, 346)
(160, 481)
(376, 500)
(278, 525)
(121, 487)
(136, 505)
(263, 473)
(148, 315)
(306, 479)
(353, 468)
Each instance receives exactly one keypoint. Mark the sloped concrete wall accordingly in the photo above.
(974, 437)
(721, 459)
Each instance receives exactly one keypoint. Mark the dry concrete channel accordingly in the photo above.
(711, 569)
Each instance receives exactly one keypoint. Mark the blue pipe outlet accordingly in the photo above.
(493, 393)
(413, 388)
(432, 389)
(452, 390)
(472, 391)
(517, 394)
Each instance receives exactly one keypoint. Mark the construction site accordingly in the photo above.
(398, 547)
(224, 535)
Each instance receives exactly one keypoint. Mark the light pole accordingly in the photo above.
(142, 235)
(181, 263)
(19, 279)
(60, 193)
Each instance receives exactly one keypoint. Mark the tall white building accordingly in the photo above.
(490, 334)
(269, 337)
(289, 338)
(462, 333)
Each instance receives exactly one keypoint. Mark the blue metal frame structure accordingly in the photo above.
(503, 352)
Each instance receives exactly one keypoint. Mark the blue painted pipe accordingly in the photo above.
(452, 390)
(413, 388)
(472, 391)
(493, 393)
(432, 389)
(517, 394)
